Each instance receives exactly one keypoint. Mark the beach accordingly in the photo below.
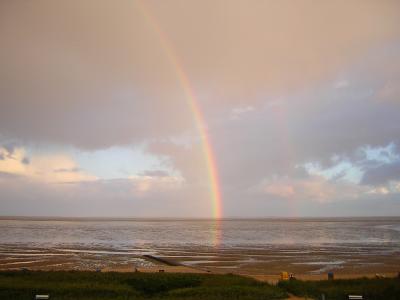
(259, 248)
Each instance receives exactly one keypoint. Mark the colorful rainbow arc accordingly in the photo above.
(194, 107)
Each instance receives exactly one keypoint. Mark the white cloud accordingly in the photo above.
(341, 84)
(238, 112)
(149, 184)
(54, 168)
(313, 188)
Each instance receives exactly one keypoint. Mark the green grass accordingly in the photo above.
(92, 285)
(156, 286)
(370, 289)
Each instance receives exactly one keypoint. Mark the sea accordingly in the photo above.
(307, 245)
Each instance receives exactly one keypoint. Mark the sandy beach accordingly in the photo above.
(264, 265)
(258, 248)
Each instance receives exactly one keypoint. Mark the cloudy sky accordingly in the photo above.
(301, 105)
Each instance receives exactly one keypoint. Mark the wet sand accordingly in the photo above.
(265, 247)
(264, 264)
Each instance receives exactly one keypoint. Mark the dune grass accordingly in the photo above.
(370, 289)
(91, 285)
(79, 285)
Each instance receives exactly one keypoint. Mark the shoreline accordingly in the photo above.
(268, 278)
(271, 278)
(262, 263)
(348, 248)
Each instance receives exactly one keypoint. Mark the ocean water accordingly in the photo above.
(320, 244)
(122, 234)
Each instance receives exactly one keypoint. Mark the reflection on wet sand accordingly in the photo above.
(270, 260)
(257, 247)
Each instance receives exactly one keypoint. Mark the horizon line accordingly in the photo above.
(232, 218)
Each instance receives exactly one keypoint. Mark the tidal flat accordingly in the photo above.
(258, 247)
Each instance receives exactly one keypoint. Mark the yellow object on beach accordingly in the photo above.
(284, 276)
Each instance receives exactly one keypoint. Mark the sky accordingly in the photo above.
(199, 108)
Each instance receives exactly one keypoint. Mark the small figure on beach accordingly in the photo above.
(330, 276)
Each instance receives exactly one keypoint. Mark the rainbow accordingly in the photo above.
(195, 109)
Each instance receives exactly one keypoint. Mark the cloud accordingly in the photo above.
(189, 160)
(12, 161)
(26, 161)
(314, 188)
(104, 79)
(238, 112)
(341, 84)
(382, 174)
(154, 173)
(168, 197)
(64, 170)
(47, 168)
(150, 184)
(281, 85)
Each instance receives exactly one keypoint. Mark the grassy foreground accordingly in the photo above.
(98, 286)
(92, 285)
(370, 289)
